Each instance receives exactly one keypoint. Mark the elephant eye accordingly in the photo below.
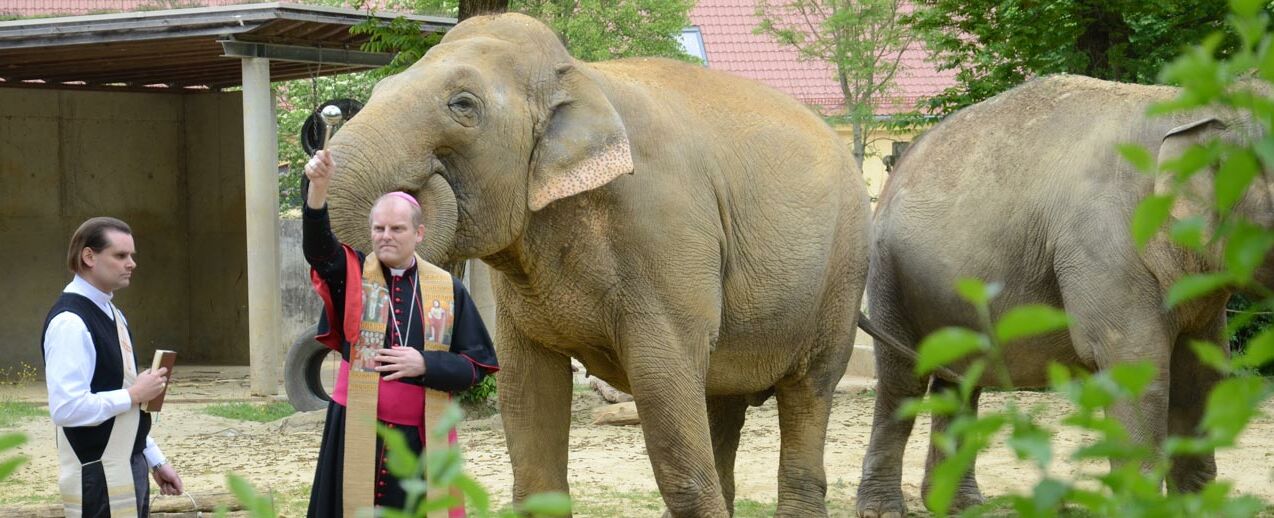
(465, 108)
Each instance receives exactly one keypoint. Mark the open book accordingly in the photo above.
(163, 358)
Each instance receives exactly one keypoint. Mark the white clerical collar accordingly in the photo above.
(398, 272)
(101, 299)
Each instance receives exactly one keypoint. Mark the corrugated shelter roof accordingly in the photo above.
(187, 49)
(727, 27)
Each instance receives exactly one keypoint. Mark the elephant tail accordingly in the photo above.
(882, 337)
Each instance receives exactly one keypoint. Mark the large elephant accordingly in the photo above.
(693, 238)
(1027, 190)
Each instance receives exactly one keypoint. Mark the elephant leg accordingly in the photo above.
(535, 405)
(667, 371)
(1190, 383)
(880, 488)
(967, 493)
(1115, 328)
(725, 419)
(805, 405)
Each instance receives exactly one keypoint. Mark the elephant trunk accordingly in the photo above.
(367, 169)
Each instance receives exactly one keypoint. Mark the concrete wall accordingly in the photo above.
(878, 147)
(171, 166)
(301, 306)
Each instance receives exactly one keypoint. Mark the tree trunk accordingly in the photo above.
(860, 143)
(476, 7)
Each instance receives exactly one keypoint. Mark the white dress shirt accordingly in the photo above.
(69, 360)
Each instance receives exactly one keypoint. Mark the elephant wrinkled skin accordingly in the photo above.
(1028, 190)
(728, 266)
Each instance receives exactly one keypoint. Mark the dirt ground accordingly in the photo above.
(610, 473)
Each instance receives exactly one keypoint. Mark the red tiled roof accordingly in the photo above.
(76, 7)
(727, 28)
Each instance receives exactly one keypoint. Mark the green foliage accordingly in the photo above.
(259, 412)
(862, 39)
(1247, 320)
(14, 412)
(592, 30)
(596, 30)
(10, 464)
(481, 393)
(418, 474)
(1133, 487)
(296, 101)
(993, 45)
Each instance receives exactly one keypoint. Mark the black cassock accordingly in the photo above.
(471, 358)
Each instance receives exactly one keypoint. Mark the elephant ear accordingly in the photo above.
(583, 145)
(1175, 143)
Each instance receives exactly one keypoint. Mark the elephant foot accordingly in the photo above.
(966, 496)
(881, 502)
(1191, 474)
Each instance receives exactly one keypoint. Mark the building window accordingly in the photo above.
(692, 41)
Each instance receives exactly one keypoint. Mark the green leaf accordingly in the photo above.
(974, 291)
(1232, 180)
(450, 418)
(1151, 213)
(1058, 375)
(1246, 8)
(443, 466)
(1259, 351)
(1194, 159)
(945, 346)
(437, 504)
(1188, 232)
(1030, 320)
(1116, 449)
(1211, 355)
(1231, 405)
(548, 504)
(1048, 495)
(1194, 286)
(1138, 156)
(946, 478)
(938, 404)
(970, 377)
(476, 497)
(12, 440)
(8, 466)
(1033, 443)
(1265, 147)
(400, 460)
(1134, 377)
(1245, 250)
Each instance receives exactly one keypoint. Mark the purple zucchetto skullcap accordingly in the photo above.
(410, 199)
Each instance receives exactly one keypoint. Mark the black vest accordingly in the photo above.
(90, 441)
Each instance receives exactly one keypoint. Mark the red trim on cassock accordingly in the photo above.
(353, 301)
(491, 369)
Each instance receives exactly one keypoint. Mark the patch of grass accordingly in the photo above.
(14, 412)
(259, 412)
(18, 497)
(608, 502)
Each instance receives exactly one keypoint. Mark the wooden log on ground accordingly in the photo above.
(163, 507)
(619, 414)
(608, 393)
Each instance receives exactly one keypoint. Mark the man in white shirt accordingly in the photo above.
(95, 391)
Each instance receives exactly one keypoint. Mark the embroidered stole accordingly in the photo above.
(434, 285)
(116, 459)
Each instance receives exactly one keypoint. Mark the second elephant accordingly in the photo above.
(1027, 190)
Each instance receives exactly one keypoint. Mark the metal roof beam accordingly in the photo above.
(246, 49)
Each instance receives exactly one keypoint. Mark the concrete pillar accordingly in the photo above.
(261, 186)
(478, 281)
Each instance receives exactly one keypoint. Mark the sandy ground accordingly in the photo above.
(606, 463)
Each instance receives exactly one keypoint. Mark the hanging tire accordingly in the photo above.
(302, 372)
